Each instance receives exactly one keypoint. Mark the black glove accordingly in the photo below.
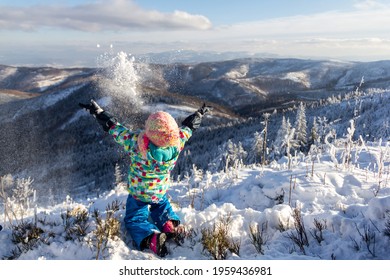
(204, 109)
(105, 119)
(93, 108)
(193, 121)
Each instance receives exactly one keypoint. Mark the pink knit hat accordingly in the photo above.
(162, 129)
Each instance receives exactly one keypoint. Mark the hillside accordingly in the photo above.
(249, 86)
(343, 210)
(44, 134)
(246, 86)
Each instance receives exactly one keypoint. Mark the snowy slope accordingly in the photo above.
(344, 199)
(54, 134)
(64, 150)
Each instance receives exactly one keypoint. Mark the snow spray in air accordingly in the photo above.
(119, 79)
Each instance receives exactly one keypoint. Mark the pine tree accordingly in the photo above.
(221, 159)
(282, 132)
(289, 144)
(285, 142)
(236, 154)
(323, 128)
(229, 155)
(256, 152)
(301, 128)
(314, 137)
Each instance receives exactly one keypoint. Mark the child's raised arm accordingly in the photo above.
(194, 120)
(105, 119)
(121, 134)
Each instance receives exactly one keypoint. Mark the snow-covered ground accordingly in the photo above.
(344, 199)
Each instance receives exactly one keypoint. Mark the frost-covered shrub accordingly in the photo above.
(106, 229)
(318, 231)
(27, 236)
(76, 223)
(299, 237)
(258, 236)
(217, 241)
(17, 196)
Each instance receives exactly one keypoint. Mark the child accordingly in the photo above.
(153, 153)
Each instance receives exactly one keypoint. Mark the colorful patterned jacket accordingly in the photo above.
(148, 179)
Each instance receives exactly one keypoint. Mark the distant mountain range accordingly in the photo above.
(245, 86)
(195, 57)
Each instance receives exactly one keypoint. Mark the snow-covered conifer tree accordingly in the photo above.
(314, 137)
(301, 128)
(285, 142)
(256, 148)
(323, 128)
(282, 132)
(289, 144)
(237, 154)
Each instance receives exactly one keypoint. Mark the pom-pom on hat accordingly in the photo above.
(162, 129)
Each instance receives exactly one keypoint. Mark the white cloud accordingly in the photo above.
(370, 5)
(98, 16)
(334, 24)
(360, 34)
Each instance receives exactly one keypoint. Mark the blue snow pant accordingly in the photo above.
(137, 220)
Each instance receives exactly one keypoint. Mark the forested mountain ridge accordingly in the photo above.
(244, 85)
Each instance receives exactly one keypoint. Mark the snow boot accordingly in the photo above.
(172, 228)
(157, 244)
(174, 231)
(169, 227)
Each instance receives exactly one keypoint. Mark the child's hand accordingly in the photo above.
(193, 121)
(105, 119)
(204, 109)
(93, 108)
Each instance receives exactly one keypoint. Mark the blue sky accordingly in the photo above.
(74, 32)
